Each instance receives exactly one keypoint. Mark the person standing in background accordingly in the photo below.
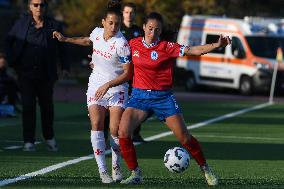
(32, 52)
(128, 28)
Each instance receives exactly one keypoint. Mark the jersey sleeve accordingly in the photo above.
(93, 34)
(124, 53)
(174, 49)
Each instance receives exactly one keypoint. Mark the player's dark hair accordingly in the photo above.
(113, 7)
(155, 16)
(168, 33)
(128, 4)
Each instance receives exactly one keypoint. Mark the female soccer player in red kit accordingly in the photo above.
(152, 82)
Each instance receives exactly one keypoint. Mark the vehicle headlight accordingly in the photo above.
(261, 66)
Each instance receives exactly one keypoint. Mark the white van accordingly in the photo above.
(245, 65)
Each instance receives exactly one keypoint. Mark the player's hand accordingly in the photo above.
(59, 36)
(223, 41)
(102, 90)
(91, 64)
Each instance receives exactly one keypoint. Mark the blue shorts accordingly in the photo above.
(160, 103)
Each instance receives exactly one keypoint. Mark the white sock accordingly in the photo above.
(115, 151)
(99, 146)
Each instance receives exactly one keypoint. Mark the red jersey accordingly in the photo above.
(153, 66)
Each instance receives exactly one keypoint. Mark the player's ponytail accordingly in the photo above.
(113, 7)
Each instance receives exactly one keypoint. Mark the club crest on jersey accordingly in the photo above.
(154, 55)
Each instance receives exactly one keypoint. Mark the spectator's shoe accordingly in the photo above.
(105, 177)
(210, 177)
(29, 147)
(116, 174)
(135, 177)
(51, 145)
(138, 138)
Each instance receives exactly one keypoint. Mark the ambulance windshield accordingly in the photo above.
(264, 46)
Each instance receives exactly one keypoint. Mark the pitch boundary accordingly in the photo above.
(91, 156)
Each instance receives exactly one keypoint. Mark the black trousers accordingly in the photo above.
(35, 91)
(10, 91)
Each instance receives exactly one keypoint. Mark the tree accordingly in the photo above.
(81, 16)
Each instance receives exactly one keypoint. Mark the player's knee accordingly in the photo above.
(123, 132)
(96, 126)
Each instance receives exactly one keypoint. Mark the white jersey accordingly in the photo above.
(108, 58)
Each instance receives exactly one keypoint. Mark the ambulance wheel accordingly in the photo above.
(246, 87)
(190, 83)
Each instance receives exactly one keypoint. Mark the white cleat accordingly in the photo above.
(105, 177)
(29, 147)
(51, 145)
(210, 177)
(116, 174)
(135, 177)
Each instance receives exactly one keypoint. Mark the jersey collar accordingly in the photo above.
(151, 45)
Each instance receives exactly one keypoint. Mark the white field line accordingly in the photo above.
(17, 146)
(220, 118)
(91, 156)
(240, 137)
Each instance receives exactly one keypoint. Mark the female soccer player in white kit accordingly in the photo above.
(108, 87)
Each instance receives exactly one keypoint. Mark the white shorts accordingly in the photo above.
(115, 96)
(109, 99)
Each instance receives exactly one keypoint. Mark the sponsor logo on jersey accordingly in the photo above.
(154, 55)
(171, 44)
(136, 53)
(101, 53)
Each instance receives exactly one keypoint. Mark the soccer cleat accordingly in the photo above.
(105, 177)
(135, 177)
(116, 174)
(210, 177)
(29, 147)
(51, 145)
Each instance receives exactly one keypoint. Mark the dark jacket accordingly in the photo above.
(16, 39)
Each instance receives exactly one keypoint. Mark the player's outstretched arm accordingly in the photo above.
(203, 49)
(83, 41)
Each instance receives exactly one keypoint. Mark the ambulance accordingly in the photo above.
(246, 65)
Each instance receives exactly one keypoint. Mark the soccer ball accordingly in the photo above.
(176, 160)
